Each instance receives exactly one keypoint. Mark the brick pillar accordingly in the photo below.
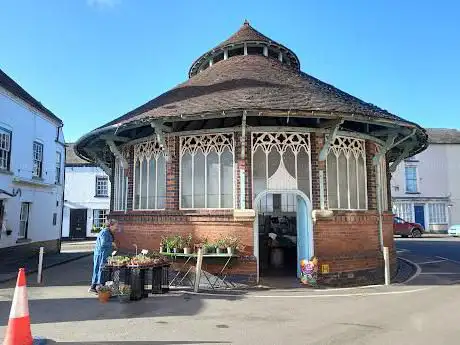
(246, 166)
(317, 142)
(390, 201)
(130, 175)
(371, 171)
(172, 173)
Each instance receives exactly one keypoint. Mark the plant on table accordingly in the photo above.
(232, 243)
(209, 247)
(187, 243)
(142, 260)
(118, 261)
(163, 244)
(221, 245)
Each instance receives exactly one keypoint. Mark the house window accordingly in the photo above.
(102, 186)
(206, 169)
(346, 174)
(54, 218)
(149, 176)
(24, 220)
(120, 188)
(404, 211)
(5, 149)
(58, 167)
(38, 159)
(99, 218)
(437, 213)
(411, 179)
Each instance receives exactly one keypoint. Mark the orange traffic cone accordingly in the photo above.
(18, 331)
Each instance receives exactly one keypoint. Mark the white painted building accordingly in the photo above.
(425, 187)
(86, 197)
(31, 172)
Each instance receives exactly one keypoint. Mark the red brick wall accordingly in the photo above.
(172, 173)
(246, 165)
(317, 142)
(371, 176)
(350, 240)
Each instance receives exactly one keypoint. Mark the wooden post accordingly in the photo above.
(199, 262)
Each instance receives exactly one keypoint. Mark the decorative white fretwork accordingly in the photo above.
(280, 151)
(346, 174)
(206, 143)
(348, 146)
(147, 150)
(281, 140)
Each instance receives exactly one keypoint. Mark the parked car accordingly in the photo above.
(454, 230)
(406, 229)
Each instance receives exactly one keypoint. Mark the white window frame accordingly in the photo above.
(97, 217)
(404, 210)
(436, 209)
(186, 147)
(120, 190)
(148, 150)
(417, 189)
(24, 218)
(336, 148)
(58, 167)
(37, 170)
(5, 149)
(99, 186)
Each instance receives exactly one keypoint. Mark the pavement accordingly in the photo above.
(70, 251)
(424, 310)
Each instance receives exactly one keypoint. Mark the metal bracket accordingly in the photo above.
(330, 139)
(99, 162)
(114, 149)
(388, 145)
(403, 155)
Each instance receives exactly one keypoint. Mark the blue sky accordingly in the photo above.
(90, 61)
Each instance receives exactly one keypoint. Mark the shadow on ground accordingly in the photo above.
(84, 309)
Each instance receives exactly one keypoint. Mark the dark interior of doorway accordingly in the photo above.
(277, 241)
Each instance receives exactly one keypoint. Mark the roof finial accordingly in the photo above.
(246, 22)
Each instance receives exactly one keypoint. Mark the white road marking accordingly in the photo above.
(431, 262)
(362, 294)
(440, 273)
(417, 272)
(454, 261)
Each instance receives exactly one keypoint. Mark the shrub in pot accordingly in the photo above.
(232, 243)
(187, 243)
(104, 293)
(220, 246)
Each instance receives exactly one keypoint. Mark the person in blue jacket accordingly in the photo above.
(102, 251)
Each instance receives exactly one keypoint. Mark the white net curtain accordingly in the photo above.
(281, 161)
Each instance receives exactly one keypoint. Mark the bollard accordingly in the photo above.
(386, 259)
(199, 261)
(40, 265)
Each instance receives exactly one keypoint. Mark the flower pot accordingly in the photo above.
(187, 250)
(162, 249)
(174, 250)
(168, 250)
(220, 251)
(230, 250)
(104, 296)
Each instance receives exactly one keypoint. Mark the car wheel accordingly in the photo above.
(416, 233)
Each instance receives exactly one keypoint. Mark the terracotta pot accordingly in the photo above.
(104, 296)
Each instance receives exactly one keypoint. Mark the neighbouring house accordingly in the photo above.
(31, 173)
(253, 147)
(86, 197)
(425, 187)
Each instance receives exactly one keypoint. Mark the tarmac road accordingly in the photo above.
(425, 311)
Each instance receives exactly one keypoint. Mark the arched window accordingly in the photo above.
(281, 161)
(206, 168)
(149, 176)
(346, 174)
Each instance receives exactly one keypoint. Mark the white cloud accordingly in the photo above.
(103, 3)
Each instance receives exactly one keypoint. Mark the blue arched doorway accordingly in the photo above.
(300, 209)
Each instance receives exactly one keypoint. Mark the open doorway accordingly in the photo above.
(283, 233)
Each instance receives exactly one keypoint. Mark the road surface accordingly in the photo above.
(425, 311)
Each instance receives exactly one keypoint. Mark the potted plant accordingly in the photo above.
(104, 293)
(209, 248)
(186, 243)
(163, 244)
(220, 246)
(175, 243)
(124, 293)
(232, 243)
